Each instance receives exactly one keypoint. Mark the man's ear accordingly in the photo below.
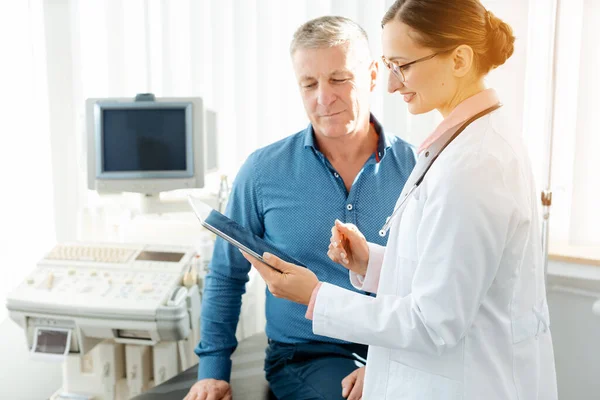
(374, 72)
(462, 58)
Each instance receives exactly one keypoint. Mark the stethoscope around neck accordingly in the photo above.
(400, 206)
(398, 209)
(430, 156)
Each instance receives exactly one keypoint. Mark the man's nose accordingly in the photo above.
(326, 95)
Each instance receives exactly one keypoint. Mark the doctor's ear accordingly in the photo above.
(462, 60)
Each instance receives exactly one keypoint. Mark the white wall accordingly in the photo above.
(26, 200)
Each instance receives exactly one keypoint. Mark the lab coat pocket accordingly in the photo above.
(528, 332)
(409, 383)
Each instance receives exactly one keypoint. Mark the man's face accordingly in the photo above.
(335, 84)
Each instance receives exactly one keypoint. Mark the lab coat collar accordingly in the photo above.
(462, 112)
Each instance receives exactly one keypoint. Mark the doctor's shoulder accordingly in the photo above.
(496, 137)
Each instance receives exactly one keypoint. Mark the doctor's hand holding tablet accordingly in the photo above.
(348, 248)
(284, 279)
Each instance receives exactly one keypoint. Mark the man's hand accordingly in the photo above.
(284, 279)
(349, 247)
(209, 389)
(352, 385)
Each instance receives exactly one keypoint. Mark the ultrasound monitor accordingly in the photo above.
(146, 146)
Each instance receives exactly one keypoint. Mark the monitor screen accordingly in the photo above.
(145, 146)
(144, 140)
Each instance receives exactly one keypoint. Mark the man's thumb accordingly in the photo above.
(348, 383)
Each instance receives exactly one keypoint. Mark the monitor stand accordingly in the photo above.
(153, 204)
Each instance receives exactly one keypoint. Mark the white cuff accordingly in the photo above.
(370, 281)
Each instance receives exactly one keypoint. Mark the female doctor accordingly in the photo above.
(460, 311)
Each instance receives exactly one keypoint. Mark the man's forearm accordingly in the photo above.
(220, 314)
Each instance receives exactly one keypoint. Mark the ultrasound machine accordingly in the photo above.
(124, 317)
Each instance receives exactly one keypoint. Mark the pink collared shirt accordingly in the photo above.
(465, 110)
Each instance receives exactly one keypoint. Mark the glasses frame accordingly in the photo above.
(398, 69)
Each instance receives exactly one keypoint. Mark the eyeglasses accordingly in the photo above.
(398, 70)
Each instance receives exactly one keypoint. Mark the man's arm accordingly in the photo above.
(225, 283)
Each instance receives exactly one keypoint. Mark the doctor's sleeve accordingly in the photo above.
(370, 281)
(466, 222)
(225, 282)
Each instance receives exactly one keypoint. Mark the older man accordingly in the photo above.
(342, 166)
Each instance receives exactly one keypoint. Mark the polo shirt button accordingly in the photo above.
(349, 207)
(336, 174)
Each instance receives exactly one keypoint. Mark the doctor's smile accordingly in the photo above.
(408, 96)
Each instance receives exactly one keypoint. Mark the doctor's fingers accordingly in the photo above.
(273, 278)
(336, 236)
(338, 255)
(267, 273)
(349, 231)
(338, 240)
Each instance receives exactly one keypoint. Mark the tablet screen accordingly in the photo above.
(235, 234)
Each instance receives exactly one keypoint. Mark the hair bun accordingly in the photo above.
(492, 21)
(500, 40)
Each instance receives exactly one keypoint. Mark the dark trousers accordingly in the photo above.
(307, 371)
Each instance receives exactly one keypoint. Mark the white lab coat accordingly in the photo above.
(460, 311)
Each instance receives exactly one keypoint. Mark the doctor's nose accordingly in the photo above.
(394, 83)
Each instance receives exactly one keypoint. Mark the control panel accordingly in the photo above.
(129, 310)
(96, 279)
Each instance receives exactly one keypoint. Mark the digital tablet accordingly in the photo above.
(234, 233)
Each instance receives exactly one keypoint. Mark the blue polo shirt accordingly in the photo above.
(289, 194)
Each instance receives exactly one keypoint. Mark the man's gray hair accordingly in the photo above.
(327, 31)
